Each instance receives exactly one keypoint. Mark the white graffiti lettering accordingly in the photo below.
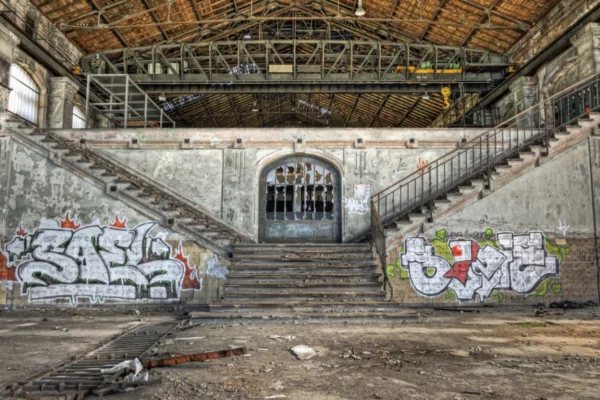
(357, 206)
(520, 263)
(97, 263)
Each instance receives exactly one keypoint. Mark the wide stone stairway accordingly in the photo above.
(271, 273)
(303, 282)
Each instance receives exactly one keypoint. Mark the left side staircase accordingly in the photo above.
(121, 181)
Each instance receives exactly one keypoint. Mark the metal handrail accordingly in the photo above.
(535, 125)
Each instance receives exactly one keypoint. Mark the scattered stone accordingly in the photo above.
(303, 352)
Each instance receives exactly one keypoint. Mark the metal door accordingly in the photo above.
(300, 201)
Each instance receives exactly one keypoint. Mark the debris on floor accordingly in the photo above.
(303, 352)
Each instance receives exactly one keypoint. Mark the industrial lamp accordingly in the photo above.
(360, 11)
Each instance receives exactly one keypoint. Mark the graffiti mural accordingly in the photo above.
(359, 203)
(467, 269)
(98, 262)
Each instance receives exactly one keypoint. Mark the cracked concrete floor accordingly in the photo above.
(498, 353)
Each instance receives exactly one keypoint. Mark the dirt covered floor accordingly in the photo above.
(498, 353)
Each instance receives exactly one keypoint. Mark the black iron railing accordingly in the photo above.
(476, 158)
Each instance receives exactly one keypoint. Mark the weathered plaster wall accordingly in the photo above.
(52, 216)
(544, 219)
(224, 179)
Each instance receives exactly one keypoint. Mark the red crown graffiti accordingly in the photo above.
(121, 224)
(21, 231)
(69, 223)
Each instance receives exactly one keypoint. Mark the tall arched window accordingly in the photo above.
(24, 97)
(78, 118)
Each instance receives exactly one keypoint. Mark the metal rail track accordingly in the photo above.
(77, 378)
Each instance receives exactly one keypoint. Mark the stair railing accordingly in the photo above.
(477, 157)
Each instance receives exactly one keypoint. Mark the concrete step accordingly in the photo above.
(308, 307)
(299, 256)
(296, 263)
(223, 318)
(301, 297)
(286, 276)
(297, 294)
(300, 287)
(303, 247)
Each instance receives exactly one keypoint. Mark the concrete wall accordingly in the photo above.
(543, 219)
(224, 179)
(48, 211)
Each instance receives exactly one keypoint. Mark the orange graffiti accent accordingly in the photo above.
(68, 223)
(21, 231)
(121, 224)
(457, 251)
(6, 274)
(422, 166)
(190, 280)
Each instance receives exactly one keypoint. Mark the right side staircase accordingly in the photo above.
(486, 163)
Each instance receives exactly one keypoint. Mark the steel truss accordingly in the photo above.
(259, 66)
(123, 102)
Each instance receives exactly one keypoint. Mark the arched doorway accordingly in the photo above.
(300, 201)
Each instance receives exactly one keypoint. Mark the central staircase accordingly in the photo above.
(294, 273)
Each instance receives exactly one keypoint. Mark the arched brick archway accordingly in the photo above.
(300, 201)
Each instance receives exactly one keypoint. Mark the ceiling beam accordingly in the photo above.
(409, 110)
(155, 19)
(480, 21)
(381, 105)
(433, 19)
(237, 117)
(352, 110)
(107, 21)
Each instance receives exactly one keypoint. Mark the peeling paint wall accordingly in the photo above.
(100, 239)
(211, 171)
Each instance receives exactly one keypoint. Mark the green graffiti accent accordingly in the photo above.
(450, 294)
(443, 250)
(403, 274)
(389, 270)
(564, 250)
(542, 289)
(441, 234)
(489, 232)
(499, 295)
(430, 271)
(485, 242)
(557, 251)
(556, 287)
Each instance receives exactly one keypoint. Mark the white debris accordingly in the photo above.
(276, 396)
(289, 338)
(190, 338)
(303, 352)
(133, 365)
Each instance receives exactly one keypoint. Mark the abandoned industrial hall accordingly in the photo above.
(300, 199)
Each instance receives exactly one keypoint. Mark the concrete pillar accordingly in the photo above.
(8, 42)
(524, 93)
(587, 42)
(62, 96)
